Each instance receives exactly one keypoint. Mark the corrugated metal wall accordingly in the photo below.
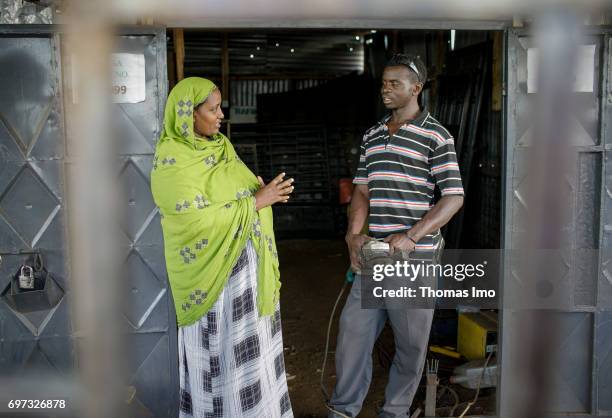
(270, 54)
(272, 62)
(244, 92)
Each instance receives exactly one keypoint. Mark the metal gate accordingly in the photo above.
(583, 378)
(152, 345)
(32, 214)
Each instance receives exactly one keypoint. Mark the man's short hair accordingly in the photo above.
(412, 62)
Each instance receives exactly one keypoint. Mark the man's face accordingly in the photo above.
(399, 86)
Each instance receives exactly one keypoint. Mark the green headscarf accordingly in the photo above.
(205, 195)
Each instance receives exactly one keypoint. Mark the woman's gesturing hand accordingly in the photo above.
(278, 190)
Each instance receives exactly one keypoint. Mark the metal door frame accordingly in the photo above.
(507, 128)
(54, 33)
(508, 154)
(159, 32)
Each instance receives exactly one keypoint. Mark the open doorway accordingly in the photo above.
(299, 101)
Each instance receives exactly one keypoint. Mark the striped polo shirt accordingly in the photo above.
(402, 171)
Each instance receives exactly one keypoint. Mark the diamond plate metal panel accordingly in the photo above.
(29, 86)
(153, 378)
(605, 278)
(36, 321)
(604, 362)
(140, 206)
(31, 199)
(153, 352)
(51, 174)
(9, 150)
(588, 203)
(29, 206)
(584, 124)
(14, 354)
(11, 240)
(8, 172)
(520, 202)
(145, 288)
(151, 373)
(571, 385)
(50, 140)
(14, 329)
(520, 181)
(153, 256)
(590, 199)
(45, 354)
(139, 123)
(32, 149)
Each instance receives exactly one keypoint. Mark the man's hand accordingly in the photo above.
(400, 241)
(354, 243)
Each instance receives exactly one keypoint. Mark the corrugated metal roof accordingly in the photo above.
(275, 54)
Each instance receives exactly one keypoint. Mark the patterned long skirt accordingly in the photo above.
(231, 361)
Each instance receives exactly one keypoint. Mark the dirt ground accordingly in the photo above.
(312, 272)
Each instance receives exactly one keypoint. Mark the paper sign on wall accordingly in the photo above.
(585, 69)
(128, 77)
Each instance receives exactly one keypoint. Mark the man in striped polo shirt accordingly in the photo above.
(403, 158)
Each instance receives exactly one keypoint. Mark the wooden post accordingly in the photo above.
(439, 55)
(395, 42)
(179, 53)
(171, 69)
(225, 70)
(497, 76)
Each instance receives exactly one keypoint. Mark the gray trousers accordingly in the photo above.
(359, 330)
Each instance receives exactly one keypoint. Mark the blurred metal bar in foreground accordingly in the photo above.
(392, 14)
(528, 354)
(93, 221)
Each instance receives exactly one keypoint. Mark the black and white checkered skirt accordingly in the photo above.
(231, 361)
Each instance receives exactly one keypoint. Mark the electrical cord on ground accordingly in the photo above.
(473, 401)
(331, 319)
(455, 396)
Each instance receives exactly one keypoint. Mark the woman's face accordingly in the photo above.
(207, 116)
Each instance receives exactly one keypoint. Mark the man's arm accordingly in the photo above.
(436, 218)
(360, 206)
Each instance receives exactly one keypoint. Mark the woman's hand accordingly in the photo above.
(278, 190)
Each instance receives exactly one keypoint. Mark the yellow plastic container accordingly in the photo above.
(477, 334)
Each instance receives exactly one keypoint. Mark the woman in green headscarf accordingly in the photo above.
(221, 260)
